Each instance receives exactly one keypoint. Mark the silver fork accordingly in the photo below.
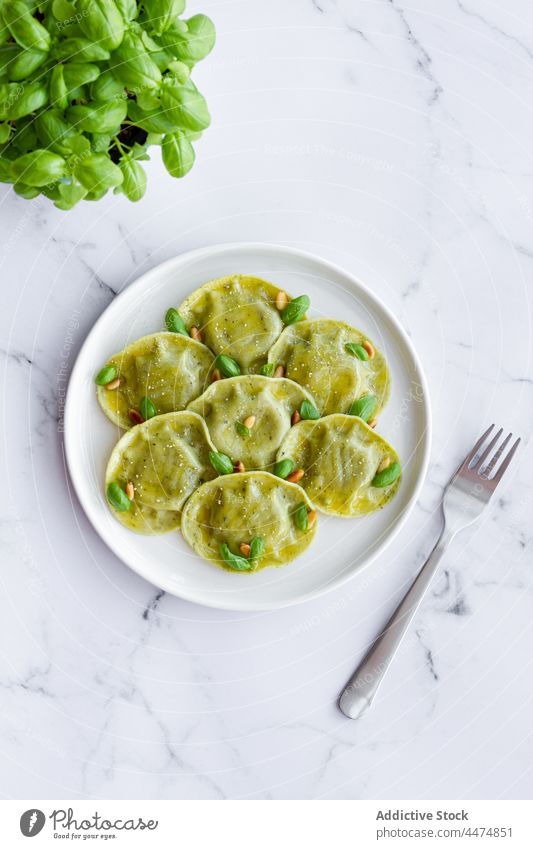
(465, 498)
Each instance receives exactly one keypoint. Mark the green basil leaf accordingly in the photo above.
(5, 132)
(221, 463)
(157, 54)
(75, 147)
(26, 192)
(138, 152)
(101, 21)
(234, 561)
(363, 407)
(308, 411)
(198, 41)
(242, 430)
(117, 497)
(98, 174)
(175, 323)
(178, 154)
(128, 9)
(6, 92)
(58, 89)
(301, 519)
(284, 468)
(107, 87)
(39, 168)
(6, 170)
(101, 142)
(29, 98)
(387, 476)
(5, 35)
(98, 118)
(106, 374)
(356, 350)
(133, 65)
(79, 74)
(257, 548)
(25, 63)
(51, 191)
(8, 54)
(147, 408)
(80, 50)
(71, 193)
(134, 182)
(53, 131)
(25, 29)
(148, 100)
(26, 136)
(227, 365)
(154, 121)
(98, 194)
(184, 105)
(180, 71)
(160, 14)
(63, 10)
(295, 309)
(267, 369)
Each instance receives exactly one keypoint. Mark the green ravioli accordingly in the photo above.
(314, 353)
(227, 404)
(235, 509)
(340, 456)
(169, 368)
(237, 317)
(166, 459)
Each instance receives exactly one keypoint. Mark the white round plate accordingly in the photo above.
(341, 546)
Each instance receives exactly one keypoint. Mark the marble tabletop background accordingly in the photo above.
(395, 138)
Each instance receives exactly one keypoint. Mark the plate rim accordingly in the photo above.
(190, 257)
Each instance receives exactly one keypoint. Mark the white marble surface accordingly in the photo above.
(396, 139)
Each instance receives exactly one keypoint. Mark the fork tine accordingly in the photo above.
(487, 450)
(468, 459)
(490, 465)
(502, 469)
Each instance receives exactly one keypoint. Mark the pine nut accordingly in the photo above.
(244, 548)
(282, 299)
(114, 383)
(130, 490)
(372, 423)
(295, 418)
(215, 376)
(249, 421)
(239, 466)
(195, 333)
(279, 371)
(385, 463)
(135, 417)
(369, 348)
(296, 476)
(311, 518)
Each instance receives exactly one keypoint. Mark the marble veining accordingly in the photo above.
(394, 139)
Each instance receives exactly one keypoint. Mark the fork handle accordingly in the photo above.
(362, 687)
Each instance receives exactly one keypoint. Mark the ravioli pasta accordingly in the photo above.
(340, 456)
(162, 474)
(236, 316)
(233, 509)
(314, 354)
(166, 459)
(169, 368)
(226, 404)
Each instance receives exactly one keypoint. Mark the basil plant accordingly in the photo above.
(87, 86)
